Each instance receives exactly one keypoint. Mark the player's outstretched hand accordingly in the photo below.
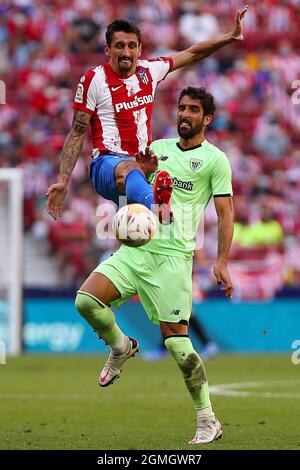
(223, 279)
(237, 33)
(147, 161)
(56, 194)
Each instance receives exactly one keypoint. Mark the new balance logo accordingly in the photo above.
(175, 312)
(135, 103)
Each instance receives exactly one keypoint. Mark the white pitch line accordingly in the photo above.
(234, 389)
(226, 390)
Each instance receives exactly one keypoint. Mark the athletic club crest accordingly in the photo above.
(143, 76)
(195, 164)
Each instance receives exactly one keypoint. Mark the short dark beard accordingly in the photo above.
(124, 68)
(188, 134)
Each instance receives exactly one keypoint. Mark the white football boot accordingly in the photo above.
(209, 430)
(113, 366)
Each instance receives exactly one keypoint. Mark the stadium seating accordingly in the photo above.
(41, 62)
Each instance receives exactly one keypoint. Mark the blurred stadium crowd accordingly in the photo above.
(45, 47)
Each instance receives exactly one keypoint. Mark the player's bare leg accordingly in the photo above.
(92, 303)
(189, 362)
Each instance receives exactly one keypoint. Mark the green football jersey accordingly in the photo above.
(198, 174)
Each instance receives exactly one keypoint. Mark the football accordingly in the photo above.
(134, 225)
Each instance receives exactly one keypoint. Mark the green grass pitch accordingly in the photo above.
(54, 402)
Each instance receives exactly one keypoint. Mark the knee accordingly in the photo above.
(86, 304)
(169, 329)
(133, 169)
(124, 167)
(80, 302)
(122, 171)
(179, 346)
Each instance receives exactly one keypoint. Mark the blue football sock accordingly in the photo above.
(137, 189)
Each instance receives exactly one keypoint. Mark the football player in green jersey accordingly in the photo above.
(161, 271)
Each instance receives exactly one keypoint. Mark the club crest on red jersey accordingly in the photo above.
(143, 76)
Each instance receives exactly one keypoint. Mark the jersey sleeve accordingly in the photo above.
(221, 177)
(156, 148)
(160, 67)
(86, 93)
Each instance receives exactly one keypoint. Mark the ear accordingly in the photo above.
(140, 50)
(207, 120)
(107, 50)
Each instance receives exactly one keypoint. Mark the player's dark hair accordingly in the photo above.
(206, 99)
(121, 25)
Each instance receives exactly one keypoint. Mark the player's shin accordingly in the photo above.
(192, 368)
(102, 320)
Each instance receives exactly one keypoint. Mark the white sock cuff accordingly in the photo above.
(206, 412)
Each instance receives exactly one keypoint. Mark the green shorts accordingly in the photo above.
(163, 283)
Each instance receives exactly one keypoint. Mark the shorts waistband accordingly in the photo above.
(100, 153)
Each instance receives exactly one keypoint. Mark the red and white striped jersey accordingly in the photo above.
(121, 108)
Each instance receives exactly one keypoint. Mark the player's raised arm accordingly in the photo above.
(203, 49)
(72, 147)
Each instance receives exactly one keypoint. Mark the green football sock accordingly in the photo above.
(192, 369)
(102, 320)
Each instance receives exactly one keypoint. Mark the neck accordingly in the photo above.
(193, 142)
